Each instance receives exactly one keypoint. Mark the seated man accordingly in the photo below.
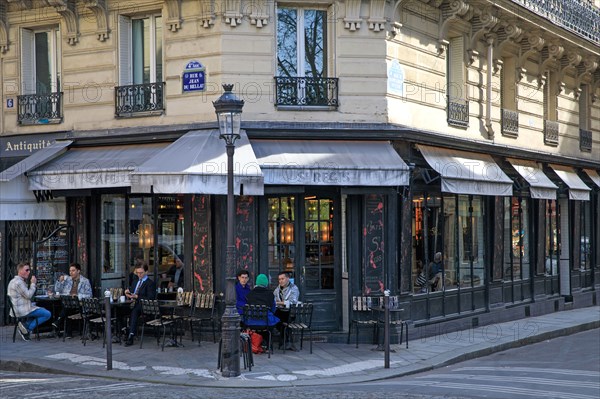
(242, 289)
(175, 274)
(74, 285)
(142, 288)
(20, 294)
(286, 294)
(262, 295)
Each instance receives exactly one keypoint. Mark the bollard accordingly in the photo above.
(386, 328)
(108, 332)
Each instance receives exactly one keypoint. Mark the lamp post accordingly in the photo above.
(229, 116)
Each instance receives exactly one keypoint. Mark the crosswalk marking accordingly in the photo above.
(512, 378)
(533, 370)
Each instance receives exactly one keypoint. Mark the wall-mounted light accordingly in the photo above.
(146, 235)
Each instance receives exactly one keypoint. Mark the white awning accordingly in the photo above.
(93, 167)
(330, 163)
(17, 202)
(465, 172)
(578, 190)
(38, 158)
(594, 176)
(197, 163)
(540, 186)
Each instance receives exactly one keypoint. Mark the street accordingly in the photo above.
(563, 368)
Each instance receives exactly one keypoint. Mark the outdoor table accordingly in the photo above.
(168, 309)
(122, 309)
(380, 310)
(50, 303)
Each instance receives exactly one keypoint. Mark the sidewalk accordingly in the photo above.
(329, 363)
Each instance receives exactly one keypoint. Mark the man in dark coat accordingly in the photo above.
(142, 288)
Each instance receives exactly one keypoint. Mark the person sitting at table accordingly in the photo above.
(20, 293)
(142, 288)
(436, 271)
(242, 289)
(74, 285)
(286, 294)
(262, 295)
(175, 274)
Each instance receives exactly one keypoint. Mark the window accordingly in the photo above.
(585, 133)
(550, 109)
(509, 92)
(40, 101)
(318, 230)
(585, 241)
(551, 246)
(302, 59)
(112, 236)
(281, 239)
(458, 106)
(141, 87)
(516, 239)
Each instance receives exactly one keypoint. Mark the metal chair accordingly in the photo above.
(395, 318)
(20, 319)
(363, 316)
(94, 315)
(72, 309)
(202, 311)
(153, 318)
(299, 321)
(256, 318)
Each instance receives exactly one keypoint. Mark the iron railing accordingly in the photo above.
(35, 109)
(550, 132)
(585, 140)
(306, 92)
(510, 123)
(140, 99)
(458, 112)
(577, 16)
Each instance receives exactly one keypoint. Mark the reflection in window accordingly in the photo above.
(585, 241)
(113, 235)
(318, 228)
(281, 239)
(169, 224)
(141, 232)
(551, 243)
(516, 239)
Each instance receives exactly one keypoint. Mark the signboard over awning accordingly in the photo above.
(540, 186)
(330, 163)
(465, 172)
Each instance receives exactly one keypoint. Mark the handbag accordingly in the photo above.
(421, 280)
(256, 339)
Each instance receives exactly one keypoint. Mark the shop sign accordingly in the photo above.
(193, 77)
(25, 145)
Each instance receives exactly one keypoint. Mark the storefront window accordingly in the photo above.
(551, 246)
(471, 239)
(281, 239)
(141, 233)
(585, 241)
(516, 239)
(451, 261)
(113, 237)
(169, 223)
(318, 228)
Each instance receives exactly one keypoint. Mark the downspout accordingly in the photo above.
(488, 105)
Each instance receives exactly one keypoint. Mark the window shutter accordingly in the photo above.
(456, 68)
(27, 62)
(125, 76)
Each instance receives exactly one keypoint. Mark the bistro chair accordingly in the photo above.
(72, 309)
(245, 352)
(362, 316)
(94, 318)
(202, 311)
(20, 319)
(153, 319)
(395, 319)
(299, 321)
(256, 318)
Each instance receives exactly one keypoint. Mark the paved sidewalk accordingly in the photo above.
(195, 365)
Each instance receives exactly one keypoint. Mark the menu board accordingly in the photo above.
(52, 258)
(245, 212)
(373, 239)
(202, 245)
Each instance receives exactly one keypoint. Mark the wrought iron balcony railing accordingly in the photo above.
(140, 100)
(550, 132)
(34, 109)
(577, 16)
(510, 123)
(458, 112)
(585, 140)
(306, 92)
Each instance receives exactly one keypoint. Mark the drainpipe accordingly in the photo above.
(488, 105)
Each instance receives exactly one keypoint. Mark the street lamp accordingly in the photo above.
(229, 116)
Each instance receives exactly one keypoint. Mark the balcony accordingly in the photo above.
(146, 99)
(510, 123)
(39, 109)
(458, 112)
(585, 140)
(306, 92)
(579, 17)
(550, 132)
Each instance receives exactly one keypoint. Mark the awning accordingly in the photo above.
(93, 167)
(330, 163)
(540, 186)
(17, 202)
(465, 172)
(38, 158)
(594, 176)
(578, 190)
(197, 163)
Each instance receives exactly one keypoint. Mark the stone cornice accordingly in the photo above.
(68, 10)
(173, 20)
(100, 11)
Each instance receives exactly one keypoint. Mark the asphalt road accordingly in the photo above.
(563, 368)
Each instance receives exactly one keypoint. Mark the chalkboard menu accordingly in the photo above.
(245, 212)
(373, 239)
(202, 245)
(52, 257)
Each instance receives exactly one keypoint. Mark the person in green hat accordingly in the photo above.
(262, 295)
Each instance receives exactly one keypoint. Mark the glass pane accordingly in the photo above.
(43, 78)
(417, 239)
(158, 47)
(314, 43)
(287, 47)
(478, 274)
(113, 236)
(138, 48)
(141, 236)
(451, 257)
(551, 240)
(170, 225)
(525, 239)
(281, 235)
